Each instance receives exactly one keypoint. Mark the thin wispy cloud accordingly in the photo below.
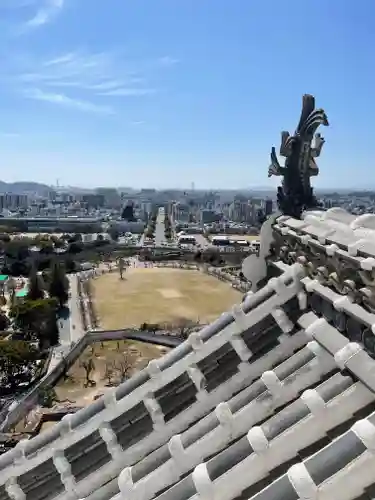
(28, 15)
(127, 92)
(97, 74)
(92, 72)
(167, 61)
(81, 80)
(20, 17)
(65, 58)
(46, 13)
(68, 102)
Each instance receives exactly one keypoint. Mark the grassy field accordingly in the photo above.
(160, 295)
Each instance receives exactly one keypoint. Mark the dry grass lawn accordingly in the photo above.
(113, 357)
(105, 355)
(160, 295)
(109, 357)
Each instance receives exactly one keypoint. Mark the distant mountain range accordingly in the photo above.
(255, 191)
(24, 187)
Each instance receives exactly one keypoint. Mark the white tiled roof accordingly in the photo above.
(274, 400)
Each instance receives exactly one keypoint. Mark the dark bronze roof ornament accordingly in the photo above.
(296, 194)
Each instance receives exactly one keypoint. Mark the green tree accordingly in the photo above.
(114, 233)
(75, 247)
(46, 247)
(36, 319)
(59, 284)
(18, 361)
(4, 322)
(17, 249)
(35, 291)
(168, 233)
(59, 242)
(3, 235)
(47, 397)
(70, 264)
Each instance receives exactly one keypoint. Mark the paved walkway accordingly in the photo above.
(70, 324)
(76, 328)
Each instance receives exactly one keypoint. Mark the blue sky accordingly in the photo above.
(164, 93)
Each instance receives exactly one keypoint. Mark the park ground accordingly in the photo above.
(151, 295)
(112, 362)
(161, 296)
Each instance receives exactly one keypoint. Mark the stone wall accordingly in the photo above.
(16, 412)
(227, 274)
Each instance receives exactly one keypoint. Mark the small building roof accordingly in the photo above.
(3, 277)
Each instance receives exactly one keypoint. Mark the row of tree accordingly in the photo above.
(87, 289)
(150, 230)
(52, 281)
(35, 317)
(181, 327)
(35, 326)
(167, 227)
(81, 305)
(20, 255)
(46, 242)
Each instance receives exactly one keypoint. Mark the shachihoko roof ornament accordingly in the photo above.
(300, 150)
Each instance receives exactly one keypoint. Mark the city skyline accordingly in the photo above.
(162, 95)
(268, 191)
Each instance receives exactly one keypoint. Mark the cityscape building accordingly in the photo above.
(13, 201)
